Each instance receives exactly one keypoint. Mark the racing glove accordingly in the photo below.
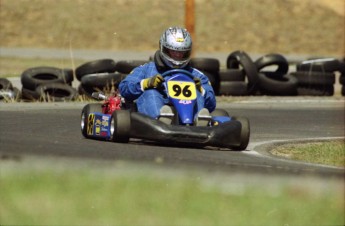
(197, 82)
(153, 82)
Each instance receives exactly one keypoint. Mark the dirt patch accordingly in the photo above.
(284, 26)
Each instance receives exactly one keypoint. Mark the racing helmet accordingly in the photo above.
(175, 47)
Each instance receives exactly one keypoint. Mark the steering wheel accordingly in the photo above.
(173, 71)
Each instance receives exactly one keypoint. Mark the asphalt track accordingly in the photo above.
(53, 129)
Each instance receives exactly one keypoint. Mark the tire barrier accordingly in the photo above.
(275, 82)
(316, 77)
(319, 65)
(315, 83)
(43, 77)
(241, 60)
(96, 66)
(33, 77)
(29, 95)
(232, 82)
(105, 82)
(241, 76)
(8, 92)
(233, 88)
(56, 92)
(5, 84)
(273, 60)
(126, 66)
(285, 85)
(102, 80)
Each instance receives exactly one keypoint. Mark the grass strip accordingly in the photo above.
(322, 152)
(83, 197)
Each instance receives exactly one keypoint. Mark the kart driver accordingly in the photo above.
(144, 83)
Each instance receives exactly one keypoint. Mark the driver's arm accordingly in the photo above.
(208, 92)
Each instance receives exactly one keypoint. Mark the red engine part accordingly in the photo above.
(111, 104)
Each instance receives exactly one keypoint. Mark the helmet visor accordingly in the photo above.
(177, 55)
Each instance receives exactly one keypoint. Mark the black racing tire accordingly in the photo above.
(87, 91)
(127, 66)
(205, 64)
(219, 112)
(29, 95)
(56, 92)
(314, 78)
(281, 86)
(5, 84)
(235, 88)
(231, 75)
(96, 66)
(273, 59)
(84, 118)
(342, 68)
(81, 91)
(245, 133)
(36, 76)
(315, 90)
(241, 58)
(120, 126)
(69, 73)
(342, 79)
(102, 80)
(10, 95)
(319, 65)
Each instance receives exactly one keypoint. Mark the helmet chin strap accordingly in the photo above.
(176, 66)
(170, 64)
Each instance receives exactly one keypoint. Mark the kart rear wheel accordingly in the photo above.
(120, 126)
(245, 133)
(89, 108)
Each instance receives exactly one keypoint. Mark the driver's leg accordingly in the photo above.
(203, 116)
(150, 103)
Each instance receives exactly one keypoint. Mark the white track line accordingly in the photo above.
(252, 149)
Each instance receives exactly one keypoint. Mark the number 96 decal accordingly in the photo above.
(182, 90)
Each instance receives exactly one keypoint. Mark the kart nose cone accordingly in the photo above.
(187, 120)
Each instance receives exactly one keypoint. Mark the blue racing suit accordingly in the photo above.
(150, 101)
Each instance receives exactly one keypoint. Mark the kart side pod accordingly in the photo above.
(226, 135)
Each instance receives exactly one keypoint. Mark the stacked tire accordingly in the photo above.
(276, 82)
(95, 76)
(8, 93)
(126, 66)
(240, 77)
(48, 84)
(243, 76)
(268, 75)
(232, 82)
(103, 75)
(316, 77)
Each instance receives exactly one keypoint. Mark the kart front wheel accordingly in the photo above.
(84, 122)
(245, 133)
(120, 126)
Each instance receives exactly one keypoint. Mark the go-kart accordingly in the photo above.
(119, 121)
